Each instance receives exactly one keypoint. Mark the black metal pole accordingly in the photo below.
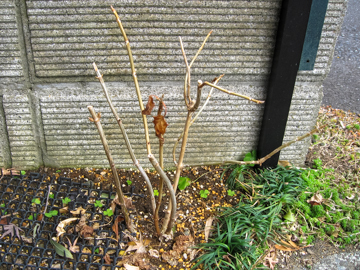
(294, 17)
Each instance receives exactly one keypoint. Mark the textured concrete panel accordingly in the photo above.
(10, 56)
(67, 36)
(19, 122)
(227, 128)
(302, 119)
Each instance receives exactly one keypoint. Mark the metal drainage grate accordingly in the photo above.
(36, 251)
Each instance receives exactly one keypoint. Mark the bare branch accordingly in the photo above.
(96, 119)
(233, 93)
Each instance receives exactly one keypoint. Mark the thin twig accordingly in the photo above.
(96, 119)
(187, 97)
(233, 93)
(47, 202)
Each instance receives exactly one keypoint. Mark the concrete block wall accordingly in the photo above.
(47, 80)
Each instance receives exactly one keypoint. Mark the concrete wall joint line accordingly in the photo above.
(24, 40)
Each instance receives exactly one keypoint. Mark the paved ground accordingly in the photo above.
(342, 86)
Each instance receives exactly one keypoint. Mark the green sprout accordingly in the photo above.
(204, 193)
(184, 182)
(97, 250)
(109, 212)
(129, 182)
(58, 171)
(231, 192)
(156, 192)
(31, 217)
(357, 126)
(35, 201)
(51, 213)
(66, 200)
(51, 196)
(250, 156)
(22, 172)
(98, 204)
(3, 212)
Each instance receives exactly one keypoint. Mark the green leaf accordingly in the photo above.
(97, 250)
(66, 200)
(129, 182)
(58, 171)
(22, 172)
(204, 193)
(36, 201)
(250, 156)
(2, 205)
(230, 192)
(31, 217)
(108, 212)
(51, 196)
(61, 250)
(184, 182)
(51, 213)
(156, 192)
(98, 204)
(290, 216)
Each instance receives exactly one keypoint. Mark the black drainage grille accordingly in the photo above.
(23, 199)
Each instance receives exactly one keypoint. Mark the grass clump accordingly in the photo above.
(243, 232)
(307, 200)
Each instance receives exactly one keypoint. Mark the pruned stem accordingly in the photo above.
(146, 129)
(179, 167)
(96, 119)
(126, 138)
(187, 81)
(161, 182)
(162, 174)
(233, 93)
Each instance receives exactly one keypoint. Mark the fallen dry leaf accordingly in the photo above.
(60, 229)
(81, 224)
(316, 199)
(160, 125)
(115, 226)
(64, 210)
(207, 229)
(130, 267)
(154, 253)
(128, 203)
(270, 259)
(149, 106)
(139, 246)
(86, 231)
(289, 246)
(73, 247)
(107, 259)
(78, 211)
